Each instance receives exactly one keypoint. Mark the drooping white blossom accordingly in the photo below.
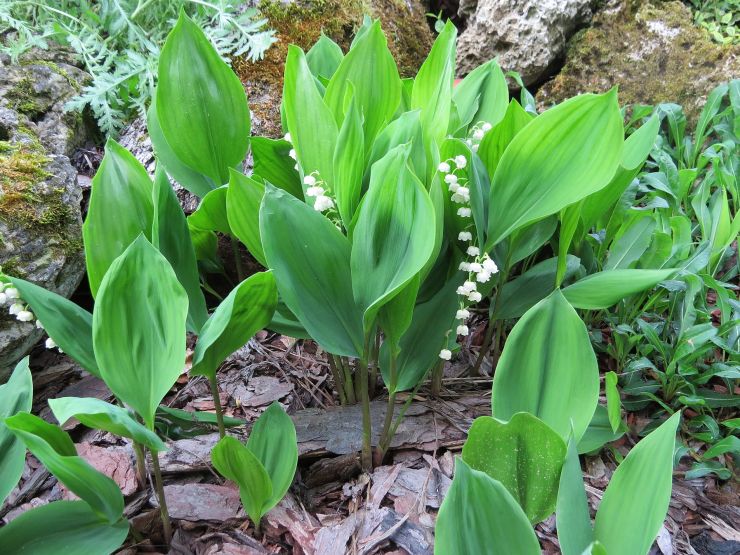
(3, 298)
(461, 161)
(49, 343)
(292, 154)
(462, 330)
(464, 266)
(444, 167)
(478, 134)
(25, 316)
(476, 267)
(323, 203)
(288, 138)
(315, 191)
(462, 314)
(12, 293)
(489, 265)
(475, 296)
(465, 236)
(15, 308)
(309, 180)
(445, 354)
(483, 276)
(473, 251)
(464, 212)
(450, 178)
(486, 127)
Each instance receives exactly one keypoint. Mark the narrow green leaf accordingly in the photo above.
(478, 515)
(524, 454)
(605, 289)
(120, 209)
(599, 432)
(139, 328)
(201, 104)
(631, 242)
(243, 199)
(406, 129)
(71, 525)
(348, 162)
(15, 396)
(575, 532)
(636, 501)
(273, 442)
(495, 142)
(311, 261)
(247, 309)
(548, 368)
(394, 318)
(613, 402)
(394, 234)
(68, 324)
(569, 219)
(238, 464)
(542, 169)
(99, 415)
(54, 448)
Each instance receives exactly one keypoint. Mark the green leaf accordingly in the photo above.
(307, 118)
(605, 289)
(311, 261)
(348, 162)
(15, 396)
(179, 424)
(171, 236)
(237, 463)
(631, 243)
(273, 164)
(201, 104)
(730, 444)
(370, 67)
(495, 142)
(324, 57)
(247, 309)
(548, 368)
(243, 199)
(71, 525)
(613, 402)
(483, 96)
(195, 182)
(394, 318)
(575, 532)
(68, 324)
(212, 213)
(599, 432)
(542, 169)
(394, 234)
(273, 442)
(569, 219)
(524, 454)
(99, 415)
(139, 328)
(120, 209)
(478, 515)
(54, 448)
(635, 503)
(404, 130)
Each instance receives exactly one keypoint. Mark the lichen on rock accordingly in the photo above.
(653, 52)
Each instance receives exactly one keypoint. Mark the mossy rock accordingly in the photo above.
(302, 22)
(653, 53)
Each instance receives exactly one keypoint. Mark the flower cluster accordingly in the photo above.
(10, 295)
(315, 189)
(479, 131)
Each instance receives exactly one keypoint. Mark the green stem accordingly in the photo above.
(437, 375)
(374, 365)
(217, 403)
(349, 382)
(367, 453)
(237, 259)
(338, 381)
(492, 322)
(140, 464)
(166, 523)
(384, 439)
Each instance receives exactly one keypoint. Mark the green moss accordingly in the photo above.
(56, 68)
(21, 98)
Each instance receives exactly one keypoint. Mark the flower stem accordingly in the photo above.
(217, 403)
(367, 454)
(237, 259)
(166, 523)
(140, 464)
(338, 380)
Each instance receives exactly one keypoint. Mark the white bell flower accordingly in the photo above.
(475, 267)
(445, 354)
(465, 236)
(464, 266)
(462, 314)
(475, 296)
(288, 138)
(315, 191)
(478, 134)
(323, 203)
(486, 127)
(483, 276)
(461, 161)
(25, 316)
(15, 309)
(450, 178)
(309, 180)
(462, 330)
(444, 167)
(464, 212)
(473, 251)
(3, 298)
(49, 343)
(292, 154)
(12, 293)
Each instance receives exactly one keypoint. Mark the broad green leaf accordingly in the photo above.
(71, 526)
(495, 142)
(607, 288)
(522, 293)
(524, 454)
(243, 199)
(632, 241)
(308, 118)
(526, 241)
(139, 328)
(15, 396)
(247, 309)
(406, 129)
(548, 368)
(195, 182)
(394, 318)
(99, 415)
(636, 501)
(120, 209)
(394, 234)
(201, 104)
(483, 96)
(170, 234)
(54, 448)
(478, 515)
(575, 532)
(273, 163)
(543, 168)
(68, 324)
(370, 68)
(212, 213)
(273, 441)
(285, 323)
(424, 339)
(730, 444)
(311, 261)
(324, 57)
(613, 402)
(235, 462)
(349, 163)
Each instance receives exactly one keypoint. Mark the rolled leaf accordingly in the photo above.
(613, 402)
(575, 532)
(247, 309)
(139, 328)
(636, 501)
(201, 104)
(478, 515)
(349, 163)
(605, 289)
(548, 368)
(524, 454)
(15, 396)
(243, 199)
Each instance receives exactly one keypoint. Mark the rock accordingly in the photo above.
(528, 36)
(40, 216)
(654, 55)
